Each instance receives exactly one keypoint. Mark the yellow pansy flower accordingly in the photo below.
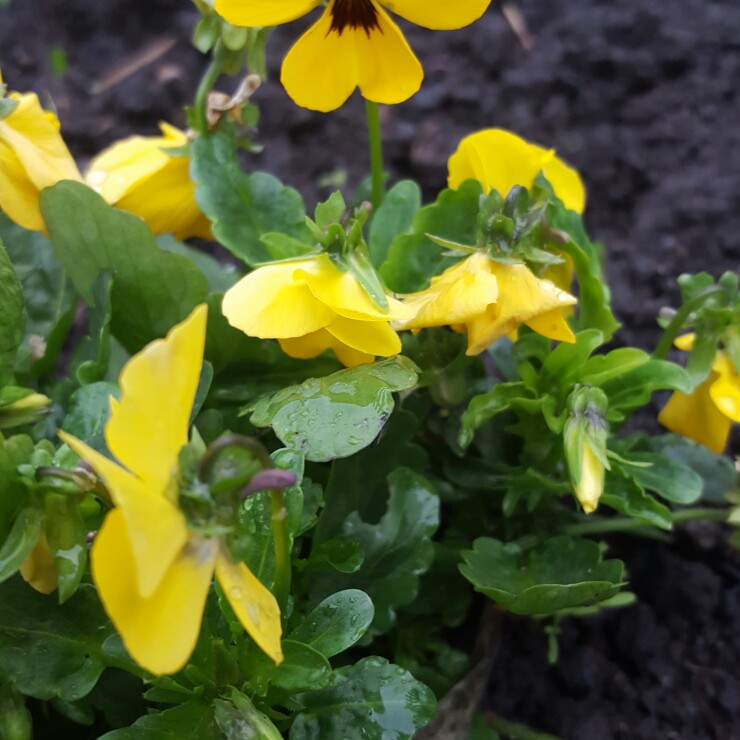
(354, 44)
(706, 414)
(489, 299)
(310, 306)
(499, 160)
(33, 156)
(153, 574)
(140, 176)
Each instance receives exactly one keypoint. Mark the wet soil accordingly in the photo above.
(644, 99)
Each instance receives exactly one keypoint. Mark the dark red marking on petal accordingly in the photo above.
(354, 14)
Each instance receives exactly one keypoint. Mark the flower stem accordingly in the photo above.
(207, 84)
(679, 319)
(626, 524)
(281, 585)
(376, 152)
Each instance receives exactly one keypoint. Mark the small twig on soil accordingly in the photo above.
(143, 58)
(518, 24)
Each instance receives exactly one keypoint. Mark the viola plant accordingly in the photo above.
(272, 498)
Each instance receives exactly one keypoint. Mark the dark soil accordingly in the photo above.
(644, 99)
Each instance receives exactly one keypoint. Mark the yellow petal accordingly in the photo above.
(591, 485)
(696, 416)
(274, 302)
(312, 345)
(254, 13)
(522, 298)
(149, 425)
(685, 342)
(341, 292)
(552, 324)
(159, 631)
(725, 391)
(33, 134)
(39, 570)
(499, 160)
(253, 604)
(438, 14)
(324, 67)
(457, 296)
(19, 197)
(156, 527)
(375, 338)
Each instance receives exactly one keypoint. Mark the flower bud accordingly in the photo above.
(584, 437)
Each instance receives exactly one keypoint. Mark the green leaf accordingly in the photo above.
(91, 358)
(22, 538)
(88, 413)
(413, 258)
(14, 451)
(338, 415)
(337, 623)
(220, 276)
(484, 407)
(625, 495)
(562, 366)
(238, 719)
(397, 550)
(152, 290)
(303, 668)
(633, 388)
(372, 699)
(11, 316)
(394, 217)
(46, 291)
(67, 536)
(191, 721)
(243, 207)
(561, 574)
(717, 473)
(48, 650)
(670, 479)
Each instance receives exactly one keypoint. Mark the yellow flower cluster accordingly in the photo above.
(310, 305)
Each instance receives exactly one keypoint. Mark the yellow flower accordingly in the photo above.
(140, 176)
(152, 573)
(488, 300)
(354, 44)
(32, 157)
(310, 306)
(499, 160)
(706, 414)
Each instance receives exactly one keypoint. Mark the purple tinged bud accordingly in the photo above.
(271, 478)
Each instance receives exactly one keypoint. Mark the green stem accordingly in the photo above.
(281, 585)
(626, 524)
(678, 321)
(207, 83)
(376, 152)
(515, 731)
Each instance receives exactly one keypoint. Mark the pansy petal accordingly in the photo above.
(552, 324)
(274, 302)
(19, 197)
(695, 416)
(326, 65)
(253, 604)
(344, 295)
(567, 184)
(157, 527)
(685, 342)
(39, 569)
(149, 425)
(308, 346)
(159, 631)
(254, 13)
(375, 338)
(725, 391)
(439, 15)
